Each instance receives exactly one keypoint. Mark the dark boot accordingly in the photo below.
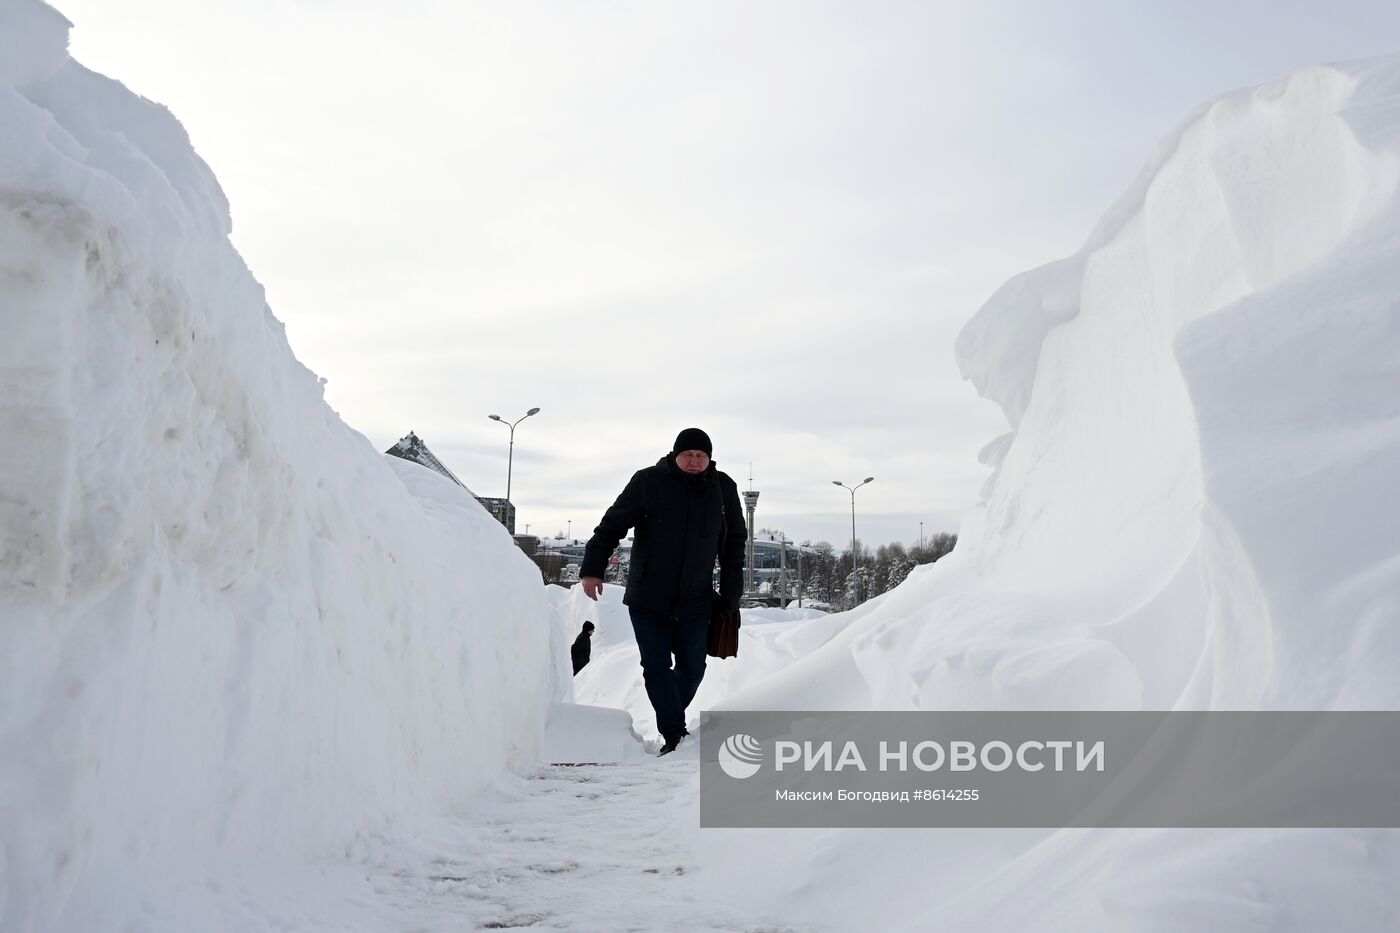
(670, 744)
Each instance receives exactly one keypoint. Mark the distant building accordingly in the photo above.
(772, 566)
(411, 447)
(568, 552)
(501, 510)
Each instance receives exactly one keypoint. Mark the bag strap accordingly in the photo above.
(723, 522)
(723, 531)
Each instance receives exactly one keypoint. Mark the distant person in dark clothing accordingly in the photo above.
(686, 513)
(583, 645)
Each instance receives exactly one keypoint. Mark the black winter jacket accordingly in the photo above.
(680, 520)
(580, 650)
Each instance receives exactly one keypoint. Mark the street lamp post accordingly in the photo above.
(852, 489)
(801, 580)
(510, 457)
(782, 571)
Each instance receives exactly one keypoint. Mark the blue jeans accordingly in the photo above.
(659, 635)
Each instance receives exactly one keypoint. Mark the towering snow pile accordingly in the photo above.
(1196, 505)
(1204, 447)
(1196, 508)
(227, 624)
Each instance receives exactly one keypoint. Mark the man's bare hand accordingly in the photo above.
(592, 586)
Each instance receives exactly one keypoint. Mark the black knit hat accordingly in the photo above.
(692, 439)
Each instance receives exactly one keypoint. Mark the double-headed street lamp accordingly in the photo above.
(852, 489)
(510, 457)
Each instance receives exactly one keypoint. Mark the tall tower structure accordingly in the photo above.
(750, 503)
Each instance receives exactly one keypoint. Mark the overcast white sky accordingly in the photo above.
(766, 219)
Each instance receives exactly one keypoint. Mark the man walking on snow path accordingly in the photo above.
(686, 513)
(582, 647)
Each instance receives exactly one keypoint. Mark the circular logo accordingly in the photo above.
(741, 756)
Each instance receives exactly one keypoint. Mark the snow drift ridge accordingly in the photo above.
(227, 625)
(1196, 510)
(1106, 476)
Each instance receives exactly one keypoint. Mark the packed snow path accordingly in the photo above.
(568, 847)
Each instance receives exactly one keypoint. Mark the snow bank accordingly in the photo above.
(578, 734)
(230, 630)
(1195, 508)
